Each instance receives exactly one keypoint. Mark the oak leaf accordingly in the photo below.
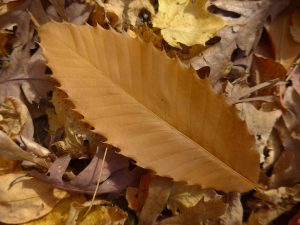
(242, 35)
(186, 22)
(152, 108)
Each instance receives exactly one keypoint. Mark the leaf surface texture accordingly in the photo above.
(151, 107)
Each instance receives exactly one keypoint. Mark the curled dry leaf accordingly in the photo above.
(156, 111)
(23, 199)
(186, 22)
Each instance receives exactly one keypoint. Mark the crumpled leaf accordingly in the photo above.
(116, 175)
(167, 142)
(186, 22)
(242, 36)
(23, 199)
(15, 118)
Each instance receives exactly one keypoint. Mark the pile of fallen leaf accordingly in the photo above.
(167, 112)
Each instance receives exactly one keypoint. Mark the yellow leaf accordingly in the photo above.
(154, 110)
(186, 22)
(105, 215)
(59, 215)
(23, 198)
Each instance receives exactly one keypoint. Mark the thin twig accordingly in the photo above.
(98, 183)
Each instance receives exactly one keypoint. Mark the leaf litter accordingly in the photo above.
(249, 54)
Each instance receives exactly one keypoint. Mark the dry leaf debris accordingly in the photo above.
(255, 67)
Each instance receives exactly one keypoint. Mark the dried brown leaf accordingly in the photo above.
(154, 130)
(242, 36)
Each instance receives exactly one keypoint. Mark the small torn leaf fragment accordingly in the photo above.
(145, 117)
(23, 198)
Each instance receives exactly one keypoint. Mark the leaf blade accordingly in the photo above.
(155, 130)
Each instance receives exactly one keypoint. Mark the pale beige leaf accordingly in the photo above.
(154, 110)
(23, 198)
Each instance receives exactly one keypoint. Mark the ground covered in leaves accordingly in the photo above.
(102, 122)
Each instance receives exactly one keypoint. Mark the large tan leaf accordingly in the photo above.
(154, 110)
